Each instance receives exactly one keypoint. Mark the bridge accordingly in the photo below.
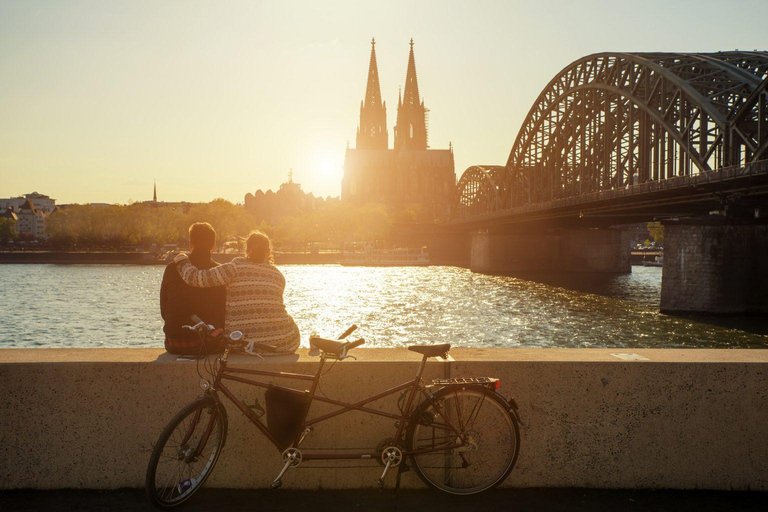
(618, 138)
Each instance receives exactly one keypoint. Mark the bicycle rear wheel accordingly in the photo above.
(186, 453)
(492, 440)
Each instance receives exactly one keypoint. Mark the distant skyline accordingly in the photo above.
(216, 99)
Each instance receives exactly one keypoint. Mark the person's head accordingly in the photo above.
(202, 237)
(258, 248)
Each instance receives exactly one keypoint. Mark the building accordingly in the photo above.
(288, 201)
(8, 213)
(40, 201)
(31, 223)
(408, 174)
(30, 213)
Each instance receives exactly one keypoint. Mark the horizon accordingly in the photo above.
(101, 100)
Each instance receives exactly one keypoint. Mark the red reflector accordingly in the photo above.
(498, 384)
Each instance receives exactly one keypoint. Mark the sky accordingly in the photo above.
(216, 99)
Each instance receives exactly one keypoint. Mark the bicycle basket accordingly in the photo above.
(286, 412)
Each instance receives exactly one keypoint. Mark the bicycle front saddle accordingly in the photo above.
(431, 350)
(334, 347)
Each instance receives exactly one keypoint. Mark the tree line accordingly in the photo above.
(145, 225)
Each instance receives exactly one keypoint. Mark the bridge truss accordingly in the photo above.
(614, 121)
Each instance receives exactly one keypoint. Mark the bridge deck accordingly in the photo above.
(677, 196)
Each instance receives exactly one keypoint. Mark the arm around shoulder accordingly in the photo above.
(221, 275)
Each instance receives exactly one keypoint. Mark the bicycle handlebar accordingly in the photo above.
(356, 343)
(349, 331)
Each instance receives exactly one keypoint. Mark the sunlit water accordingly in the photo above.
(117, 306)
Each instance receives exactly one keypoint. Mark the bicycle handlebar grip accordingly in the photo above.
(356, 343)
(349, 331)
(195, 319)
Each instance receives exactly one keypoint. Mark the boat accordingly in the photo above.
(657, 262)
(386, 258)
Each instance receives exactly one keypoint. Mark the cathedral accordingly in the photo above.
(409, 174)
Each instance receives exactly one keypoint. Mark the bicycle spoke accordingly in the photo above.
(475, 411)
(482, 458)
(179, 470)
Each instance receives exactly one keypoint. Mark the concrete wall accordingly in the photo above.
(568, 250)
(668, 418)
(715, 268)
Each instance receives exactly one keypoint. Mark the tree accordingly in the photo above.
(7, 230)
(656, 230)
(142, 225)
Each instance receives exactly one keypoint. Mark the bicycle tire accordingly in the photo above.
(193, 431)
(421, 434)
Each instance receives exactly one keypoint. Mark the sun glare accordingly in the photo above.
(326, 168)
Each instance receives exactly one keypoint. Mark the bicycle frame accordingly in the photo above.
(226, 373)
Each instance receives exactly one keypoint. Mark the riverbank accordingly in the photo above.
(146, 258)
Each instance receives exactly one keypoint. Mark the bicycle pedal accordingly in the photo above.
(276, 484)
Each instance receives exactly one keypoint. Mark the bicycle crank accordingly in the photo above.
(292, 458)
(391, 456)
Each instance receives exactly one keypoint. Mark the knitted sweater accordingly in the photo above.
(254, 299)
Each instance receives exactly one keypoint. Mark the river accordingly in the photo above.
(117, 306)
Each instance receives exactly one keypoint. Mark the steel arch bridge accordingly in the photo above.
(628, 124)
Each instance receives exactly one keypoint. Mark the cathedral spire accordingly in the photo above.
(154, 193)
(372, 132)
(373, 89)
(411, 96)
(411, 128)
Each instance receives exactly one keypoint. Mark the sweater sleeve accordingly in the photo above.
(221, 275)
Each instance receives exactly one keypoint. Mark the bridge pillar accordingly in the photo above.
(713, 267)
(567, 250)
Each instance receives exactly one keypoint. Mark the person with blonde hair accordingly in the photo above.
(255, 288)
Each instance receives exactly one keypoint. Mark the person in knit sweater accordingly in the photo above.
(254, 294)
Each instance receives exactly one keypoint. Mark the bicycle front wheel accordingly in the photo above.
(483, 460)
(186, 453)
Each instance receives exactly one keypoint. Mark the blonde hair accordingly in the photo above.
(258, 248)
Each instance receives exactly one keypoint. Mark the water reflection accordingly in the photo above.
(117, 306)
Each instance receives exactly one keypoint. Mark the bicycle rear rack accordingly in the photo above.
(488, 382)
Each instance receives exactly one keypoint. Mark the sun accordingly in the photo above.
(327, 168)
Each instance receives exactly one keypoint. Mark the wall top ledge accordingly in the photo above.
(398, 355)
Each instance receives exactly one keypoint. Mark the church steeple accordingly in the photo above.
(154, 193)
(372, 132)
(411, 127)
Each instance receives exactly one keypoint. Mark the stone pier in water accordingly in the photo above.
(715, 267)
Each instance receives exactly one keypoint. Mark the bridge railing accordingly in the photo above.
(650, 187)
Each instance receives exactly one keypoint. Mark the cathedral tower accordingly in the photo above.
(372, 132)
(411, 127)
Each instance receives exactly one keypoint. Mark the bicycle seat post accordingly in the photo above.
(421, 367)
(317, 376)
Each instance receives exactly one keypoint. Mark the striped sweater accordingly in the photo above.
(254, 299)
